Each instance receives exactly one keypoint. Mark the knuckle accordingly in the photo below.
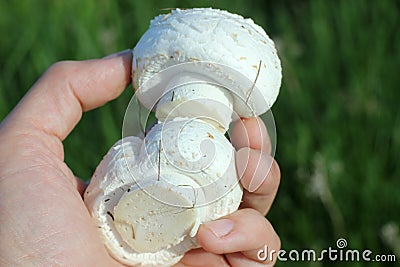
(60, 69)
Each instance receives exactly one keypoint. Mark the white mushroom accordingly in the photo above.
(148, 197)
(195, 69)
(222, 47)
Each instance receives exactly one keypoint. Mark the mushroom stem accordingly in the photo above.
(193, 96)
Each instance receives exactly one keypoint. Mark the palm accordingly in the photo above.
(51, 215)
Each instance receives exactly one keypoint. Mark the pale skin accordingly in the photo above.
(43, 220)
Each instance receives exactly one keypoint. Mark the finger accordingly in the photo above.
(245, 231)
(200, 258)
(260, 177)
(251, 132)
(80, 185)
(56, 102)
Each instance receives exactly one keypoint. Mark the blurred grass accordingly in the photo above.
(337, 116)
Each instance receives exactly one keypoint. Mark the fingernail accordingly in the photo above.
(220, 228)
(120, 53)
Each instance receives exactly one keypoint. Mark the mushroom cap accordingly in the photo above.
(112, 180)
(140, 190)
(223, 47)
(196, 149)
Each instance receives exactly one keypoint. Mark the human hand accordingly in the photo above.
(43, 219)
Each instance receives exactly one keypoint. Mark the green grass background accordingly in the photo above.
(337, 116)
